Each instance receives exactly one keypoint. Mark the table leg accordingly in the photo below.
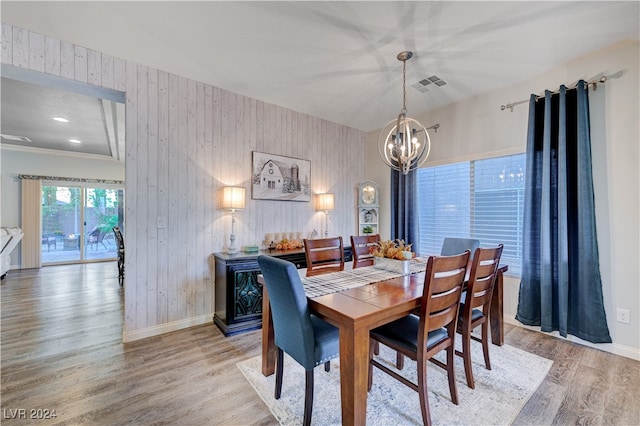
(269, 350)
(354, 370)
(497, 310)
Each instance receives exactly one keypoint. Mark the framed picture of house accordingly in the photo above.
(275, 177)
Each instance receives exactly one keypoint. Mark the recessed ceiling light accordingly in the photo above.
(61, 119)
(75, 141)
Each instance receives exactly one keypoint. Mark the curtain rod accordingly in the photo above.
(70, 179)
(593, 83)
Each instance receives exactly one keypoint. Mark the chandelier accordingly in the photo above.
(404, 143)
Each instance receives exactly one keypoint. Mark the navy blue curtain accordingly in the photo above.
(561, 288)
(404, 207)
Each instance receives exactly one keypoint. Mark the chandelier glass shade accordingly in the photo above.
(404, 143)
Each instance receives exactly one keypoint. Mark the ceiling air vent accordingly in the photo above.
(16, 138)
(423, 85)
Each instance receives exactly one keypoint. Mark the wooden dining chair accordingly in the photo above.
(324, 255)
(475, 305)
(360, 245)
(450, 247)
(434, 330)
(309, 340)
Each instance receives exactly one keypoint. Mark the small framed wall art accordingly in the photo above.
(275, 177)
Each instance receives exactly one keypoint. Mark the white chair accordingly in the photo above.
(10, 239)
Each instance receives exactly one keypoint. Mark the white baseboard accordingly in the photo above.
(614, 348)
(156, 330)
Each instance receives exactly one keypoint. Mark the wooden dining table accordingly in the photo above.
(355, 312)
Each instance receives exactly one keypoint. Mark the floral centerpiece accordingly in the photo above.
(392, 255)
(392, 249)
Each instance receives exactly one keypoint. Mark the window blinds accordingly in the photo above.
(475, 199)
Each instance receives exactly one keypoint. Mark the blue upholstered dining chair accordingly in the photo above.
(309, 340)
(451, 246)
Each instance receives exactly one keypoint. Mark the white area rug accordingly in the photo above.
(499, 395)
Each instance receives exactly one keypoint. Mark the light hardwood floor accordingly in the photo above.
(62, 350)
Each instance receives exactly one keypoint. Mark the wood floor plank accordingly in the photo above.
(61, 344)
(543, 405)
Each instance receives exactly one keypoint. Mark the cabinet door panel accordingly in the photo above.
(248, 294)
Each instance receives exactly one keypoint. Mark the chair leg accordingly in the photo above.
(422, 392)
(399, 361)
(399, 356)
(308, 397)
(451, 354)
(466, 356)
(279, 369)
(327, 366)
(485, 344)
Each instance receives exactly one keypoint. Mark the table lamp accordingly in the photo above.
(325, 203)
(232, 199)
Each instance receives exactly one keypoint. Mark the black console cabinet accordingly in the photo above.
(238, 293)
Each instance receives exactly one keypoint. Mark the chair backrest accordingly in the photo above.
(443, 283)
(292, 326)
(324, 255)
(94, 236)
(451, 246)
(484, 268)
(119, 238)
(360, 249)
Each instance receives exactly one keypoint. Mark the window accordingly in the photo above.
(77, 222)
(481, 199)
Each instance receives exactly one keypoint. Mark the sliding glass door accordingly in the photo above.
(77, 223)
(100, 216)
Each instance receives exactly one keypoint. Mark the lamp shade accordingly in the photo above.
(232, 197)
(325, 202)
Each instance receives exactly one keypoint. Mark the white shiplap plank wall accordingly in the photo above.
(185, 140)
(52, 56)
(67, 61)
(162, 171)
(153, 193)
(36, 52)
(132, 218)
(172, 188)
(94, 67)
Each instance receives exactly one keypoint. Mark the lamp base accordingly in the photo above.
(232, 249)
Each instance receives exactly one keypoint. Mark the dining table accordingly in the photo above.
(356, 301)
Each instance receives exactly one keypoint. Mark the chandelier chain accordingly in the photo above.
(404, 86)
(404, 143)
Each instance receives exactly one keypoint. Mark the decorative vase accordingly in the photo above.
(400, 266)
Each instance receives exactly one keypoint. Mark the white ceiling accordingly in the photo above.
(28, 110)
(337, 60)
